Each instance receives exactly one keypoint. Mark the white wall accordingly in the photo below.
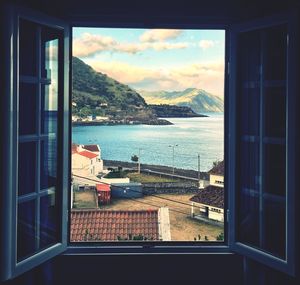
(216, 215)
(214, 179)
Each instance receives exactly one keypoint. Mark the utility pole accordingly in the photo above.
(199, 173)
(139, 161)
(173, 146)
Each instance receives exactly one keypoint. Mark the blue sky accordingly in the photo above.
(155, 59)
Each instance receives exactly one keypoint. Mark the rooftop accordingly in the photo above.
(211, 196)
(91, 147)
(218, 169)
(88, 154)
(109, 225)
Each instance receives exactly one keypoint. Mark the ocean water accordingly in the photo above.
(189, 136)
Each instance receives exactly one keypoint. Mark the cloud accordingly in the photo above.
(205, 44)
(208, 76)
(89, 45)
(159, 35)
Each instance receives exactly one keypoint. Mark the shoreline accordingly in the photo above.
(159, 168)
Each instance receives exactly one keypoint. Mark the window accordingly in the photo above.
(259, 144)
(152, 100)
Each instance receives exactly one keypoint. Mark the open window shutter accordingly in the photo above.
(261, 141)
(36, 177)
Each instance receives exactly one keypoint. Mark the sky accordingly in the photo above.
(155, 59)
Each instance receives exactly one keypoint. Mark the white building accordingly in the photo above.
(87, 159)
(208, 204)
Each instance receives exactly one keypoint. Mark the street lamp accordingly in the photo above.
(173, 147)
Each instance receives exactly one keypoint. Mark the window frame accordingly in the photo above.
(157, 247)
(287, 265)
(11, 267)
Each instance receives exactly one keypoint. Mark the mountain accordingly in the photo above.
(94, 93)
(198, 100)
(173, 111)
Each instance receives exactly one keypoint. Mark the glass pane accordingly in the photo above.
(49, 163)
(274, 164)
(48, 221)
(26, 230)
(27, 168)
(27, 108)
(274, 238)
(27, 48)
(275, 112)
(49, 100)
(248, 205)
(275, 53)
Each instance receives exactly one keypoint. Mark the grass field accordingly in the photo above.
(145, 178)
(84, 199)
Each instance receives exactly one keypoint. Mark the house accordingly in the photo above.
(208, 204)
(216, 174)
(103, 193)
(87, 158)
(111, 225)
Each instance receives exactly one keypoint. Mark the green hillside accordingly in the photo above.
(97, 94)
(198, 100)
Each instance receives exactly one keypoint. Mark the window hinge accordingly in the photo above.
(227, 216)
(228, 68)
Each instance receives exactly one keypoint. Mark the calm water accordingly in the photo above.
(191, 135)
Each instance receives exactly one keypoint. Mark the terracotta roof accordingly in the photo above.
(218, 169)
(211, 196)
(109, 225)
(102, 187)
(91, 147)
(88, 154)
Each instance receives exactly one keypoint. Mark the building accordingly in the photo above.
(86, 159)
(208, 204)
(216, 175)
(103, 193)
(109, 225)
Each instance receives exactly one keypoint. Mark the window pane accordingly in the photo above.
(48, 163)
(26, 230)
(27, 108)
(48, 221)
(27, 48)
(262, 145)
(27, 168)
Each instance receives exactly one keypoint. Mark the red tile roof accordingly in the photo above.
(102, 187)
(218, 169)
(88, 154)
(109, 225)
(211, 196)
(91, 147)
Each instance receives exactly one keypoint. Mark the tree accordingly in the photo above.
(134, 158)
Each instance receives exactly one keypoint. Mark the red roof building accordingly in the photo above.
(109, 225)
(91, 147)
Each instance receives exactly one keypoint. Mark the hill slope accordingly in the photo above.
(96, 93)
(198, 100)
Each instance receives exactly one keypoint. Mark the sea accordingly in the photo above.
(186, 144)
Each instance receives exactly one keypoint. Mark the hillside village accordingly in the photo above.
(109, 204)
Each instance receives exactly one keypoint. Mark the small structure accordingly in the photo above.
(109, 225)
(126, 190)
(103, 193)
